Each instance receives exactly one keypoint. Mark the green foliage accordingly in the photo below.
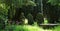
(18, 3)
(54, 2)
(31, 3)
(24, 2)
(3, 14)
(3, 11)
(9, 28)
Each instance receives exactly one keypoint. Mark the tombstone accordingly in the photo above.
(30, 19)
(48, 26)
(21, 18)
(39, 18)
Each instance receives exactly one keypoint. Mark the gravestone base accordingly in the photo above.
(48, 26)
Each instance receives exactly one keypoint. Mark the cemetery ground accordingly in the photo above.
(26, 27)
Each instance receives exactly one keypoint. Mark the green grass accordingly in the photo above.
(28, 28)
(57, 28)
(33, 27)
(24, 28)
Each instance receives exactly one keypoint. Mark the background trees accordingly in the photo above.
(12, 9)
(16, 7)
(51, 10)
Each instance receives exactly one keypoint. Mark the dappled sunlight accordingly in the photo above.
(45, 21)
(31, 28)
(26, 21)
(48, 30)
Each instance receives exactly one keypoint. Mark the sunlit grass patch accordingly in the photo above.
(23, 28)
(57, 28)
(28, 28)
(48, 30)
(45, 21)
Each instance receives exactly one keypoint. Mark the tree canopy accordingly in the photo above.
(18, 3)
(54, 2)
